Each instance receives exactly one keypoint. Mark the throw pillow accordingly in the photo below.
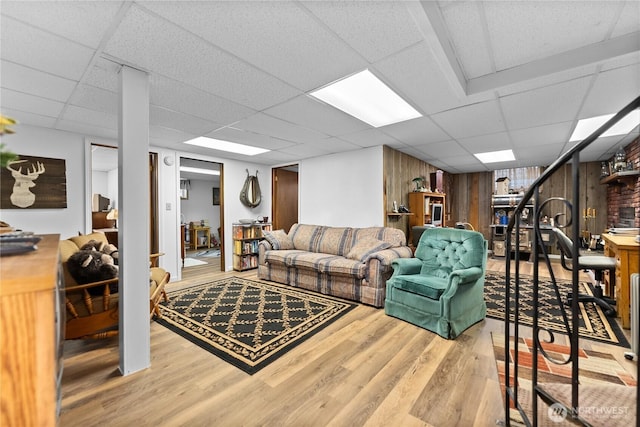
(364, 248)
(278, 239)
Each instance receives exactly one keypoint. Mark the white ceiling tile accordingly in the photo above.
(464, 25)
(88, 129)
(305, 151)
(84, 22)
(164, 134)
(30, 103)
(159, 116)
(375, 29)
(168, 93)
(537, 155)
(415, 75)
(547, 80)
(90, 117)
(28, 118)
(369, 138)
(443, 149)
(611, 91)
(250, 138)
(96, 99)
(307, 112)
(415, 132)
(629, 20)
(247, 30)
(27, 80)
(276, 157)
(523, 31)
(105, 75)
(484, 143)
(40, 50)
(558, 134)
(336, 145)
(263, 123)
(547, 105)
(158, 46)
(477, 119)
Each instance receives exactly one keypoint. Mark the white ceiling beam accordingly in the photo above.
(564, 61)
(427, 17)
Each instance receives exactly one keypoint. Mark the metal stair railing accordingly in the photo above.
(512, 293)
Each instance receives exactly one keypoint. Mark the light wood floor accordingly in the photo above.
(366, 369)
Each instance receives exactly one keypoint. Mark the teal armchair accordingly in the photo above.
(442, 288)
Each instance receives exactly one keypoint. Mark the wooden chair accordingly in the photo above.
(96, 316)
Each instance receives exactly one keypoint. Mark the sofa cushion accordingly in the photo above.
(305, 237)
(392, 235)
(280, 257)
(334, 240)
(83, 239)
(278, 239)
(428, 286)
(364, 248)
(341, 266)
(308, 260)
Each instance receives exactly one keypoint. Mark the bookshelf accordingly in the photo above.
(246, 238)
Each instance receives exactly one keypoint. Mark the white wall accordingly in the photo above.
(35, 141)
(342, 189)
(337, 190)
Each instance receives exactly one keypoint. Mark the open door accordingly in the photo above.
(285, 197)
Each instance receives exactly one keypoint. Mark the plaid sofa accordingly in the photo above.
(350, 263)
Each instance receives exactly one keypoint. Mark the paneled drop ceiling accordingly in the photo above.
(486, 75)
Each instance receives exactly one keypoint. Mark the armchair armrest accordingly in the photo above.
(467, 275)
(406, 266)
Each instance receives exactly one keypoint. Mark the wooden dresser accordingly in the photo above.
(627, 254)
(30, 336)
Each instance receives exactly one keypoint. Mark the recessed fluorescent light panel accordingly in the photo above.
(365, 97)
(199, 170)
(231, 147)
(586, 127)
(495, 156)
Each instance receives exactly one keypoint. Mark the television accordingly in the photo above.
(100, 203)
(437, 213)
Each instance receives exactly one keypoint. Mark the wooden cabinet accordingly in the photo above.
(626, 251)
(246, 238)
(31, 336)
(198, 240)
(421, 205)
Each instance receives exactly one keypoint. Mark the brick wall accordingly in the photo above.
(622, 195)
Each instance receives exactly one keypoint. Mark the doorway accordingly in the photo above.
(104, 193)
(201, 215)
(285, 197)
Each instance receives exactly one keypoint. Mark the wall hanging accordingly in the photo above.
(30, 182)
(250, 194)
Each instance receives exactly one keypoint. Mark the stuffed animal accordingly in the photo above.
(112, 251)
(90, 265)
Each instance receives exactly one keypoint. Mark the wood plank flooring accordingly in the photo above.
(366, 369)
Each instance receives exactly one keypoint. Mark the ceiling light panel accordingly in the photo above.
(367, 98)
(231, 147)
(495, 156)
(198, 170)
(586, 127)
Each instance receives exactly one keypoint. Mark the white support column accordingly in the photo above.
(133, 220)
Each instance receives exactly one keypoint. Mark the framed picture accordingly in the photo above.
(216, 196)
(30, 182)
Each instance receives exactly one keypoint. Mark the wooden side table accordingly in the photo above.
(194, 244)
(627, 254)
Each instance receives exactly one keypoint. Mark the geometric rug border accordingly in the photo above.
(617, 338)
(337, 308)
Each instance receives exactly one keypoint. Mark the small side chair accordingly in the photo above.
(442, 288)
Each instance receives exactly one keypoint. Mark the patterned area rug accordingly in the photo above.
(248, 323)
(606, 394)
(594, 325)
